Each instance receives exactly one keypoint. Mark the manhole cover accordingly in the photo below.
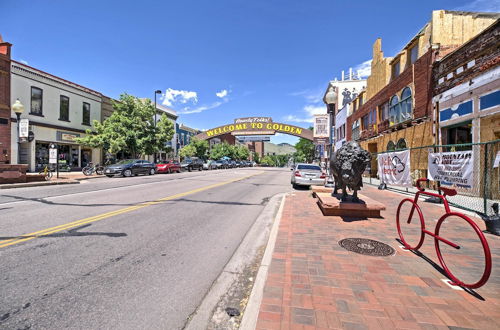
(367, 247)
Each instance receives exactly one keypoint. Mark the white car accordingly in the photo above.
(307, 175)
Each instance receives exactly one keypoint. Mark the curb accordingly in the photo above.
(258, 235)
(38, 184)
(251, 314)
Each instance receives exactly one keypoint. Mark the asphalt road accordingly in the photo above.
(123, 253)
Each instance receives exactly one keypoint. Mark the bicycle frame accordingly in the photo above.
(446, 192)
(421, 191)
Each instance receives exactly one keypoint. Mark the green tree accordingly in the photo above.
(220, 150)
(201, 147)
(242, 152)
(267, 160)
(256, 157)
(187, 151)
(130, 129)
(305, 148)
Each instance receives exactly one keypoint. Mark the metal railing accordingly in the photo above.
(478, 198)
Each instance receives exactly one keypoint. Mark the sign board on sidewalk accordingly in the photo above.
(52, 156)
(24, 128)
(394, 168)
(451, 167)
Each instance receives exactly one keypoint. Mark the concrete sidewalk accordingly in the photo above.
(314, 283)
(64, 178)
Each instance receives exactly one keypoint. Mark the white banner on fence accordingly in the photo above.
(451, 167)
(394, 168)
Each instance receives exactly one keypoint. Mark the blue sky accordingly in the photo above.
(214, 60)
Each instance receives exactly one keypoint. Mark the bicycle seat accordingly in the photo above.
(448, 191)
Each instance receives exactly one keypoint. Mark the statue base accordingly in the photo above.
(365, 208)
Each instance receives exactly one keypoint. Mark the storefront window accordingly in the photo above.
(459, 134)
(41, 155)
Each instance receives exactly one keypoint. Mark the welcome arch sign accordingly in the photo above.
(256, 126)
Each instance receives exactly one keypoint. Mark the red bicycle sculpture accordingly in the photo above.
(438, 240)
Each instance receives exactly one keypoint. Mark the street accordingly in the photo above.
(124, 253)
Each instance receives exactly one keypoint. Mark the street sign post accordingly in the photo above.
(54, 156)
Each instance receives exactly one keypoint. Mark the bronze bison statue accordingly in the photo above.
(347, 165)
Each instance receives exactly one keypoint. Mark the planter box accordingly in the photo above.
(13, 173)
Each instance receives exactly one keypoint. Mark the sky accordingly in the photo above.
(215, 60)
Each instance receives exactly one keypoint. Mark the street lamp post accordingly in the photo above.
(331, 101)
(156, 93)
(18, 109)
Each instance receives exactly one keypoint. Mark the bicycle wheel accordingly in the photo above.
(469, 260)
(48, 176)
(410, 224)
(99, 170)
(86, 170)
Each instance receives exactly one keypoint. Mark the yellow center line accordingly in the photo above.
(77, 223)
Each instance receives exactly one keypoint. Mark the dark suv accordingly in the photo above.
(192, 164)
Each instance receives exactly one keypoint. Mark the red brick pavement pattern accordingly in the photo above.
(313, 283)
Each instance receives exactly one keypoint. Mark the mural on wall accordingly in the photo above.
(348, 96)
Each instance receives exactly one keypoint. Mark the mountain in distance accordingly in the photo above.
(278, 149)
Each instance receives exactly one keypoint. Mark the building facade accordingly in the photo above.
(170, 150)
(58, 111)
(184, 134)
(5, 122)
(395, 111)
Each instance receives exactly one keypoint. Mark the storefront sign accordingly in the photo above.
(451, 167)
(52, 156)
(394, 168)
(65, 136)
(321, 124)
(24, 128)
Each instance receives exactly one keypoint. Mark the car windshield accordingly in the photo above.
(125, 161)
(309, 167)
(219, 161)
(187, 161)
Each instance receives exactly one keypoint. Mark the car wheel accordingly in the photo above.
(152, 171)
(189, 169)
(200, 168)
(127, 173)
(179, 171)
(169, 171)
(109, 176)
(294, 186)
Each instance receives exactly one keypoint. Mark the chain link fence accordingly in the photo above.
(478, 198)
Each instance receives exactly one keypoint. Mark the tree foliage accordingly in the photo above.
(130, 129)
(305, 150)
(201, 147)
(187, 151)
(237, 152)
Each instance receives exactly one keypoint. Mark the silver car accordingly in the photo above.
(307, 175)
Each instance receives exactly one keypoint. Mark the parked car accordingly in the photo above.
(168, 166)
(209, 165)
(307, 175)
(129, 167)
(232, 164)
(220, 164)
(191, 164)
(239, 163)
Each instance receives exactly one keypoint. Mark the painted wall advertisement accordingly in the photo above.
(394, 168)
(451, 167)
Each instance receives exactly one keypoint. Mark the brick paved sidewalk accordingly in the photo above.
(313, 283)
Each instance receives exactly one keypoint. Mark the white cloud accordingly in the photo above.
(179, 96)
(481, 6)
(23, 61)
(202, 108)
(364, 68)
(293, 118)
(223, 93)
(312, 110)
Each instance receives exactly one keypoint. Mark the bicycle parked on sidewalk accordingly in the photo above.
(90, 169)
(47, 173)
(449, 220)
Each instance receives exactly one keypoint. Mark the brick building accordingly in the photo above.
(467, 105)
(395, 111)
(5, 123)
